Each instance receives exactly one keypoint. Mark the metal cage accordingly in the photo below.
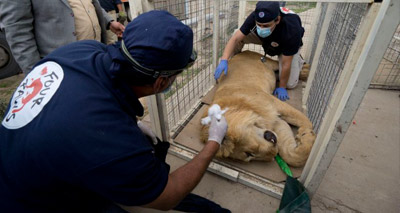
(341, 43)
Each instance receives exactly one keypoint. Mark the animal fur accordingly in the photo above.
(258, 122)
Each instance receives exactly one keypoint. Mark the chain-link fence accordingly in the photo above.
(388, 74)
(196, 81)
(193, 83)
(342, 31)
(198, 14)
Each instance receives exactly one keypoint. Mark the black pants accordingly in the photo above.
(191, 203)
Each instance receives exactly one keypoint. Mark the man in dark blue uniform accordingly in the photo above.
(70, 142)
(279, 31)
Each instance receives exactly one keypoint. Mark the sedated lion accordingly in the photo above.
(258, 122)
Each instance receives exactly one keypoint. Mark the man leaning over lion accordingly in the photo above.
(280, 33)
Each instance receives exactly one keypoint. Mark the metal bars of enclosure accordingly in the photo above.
(388, 74)
(344, 23)
(193, 83)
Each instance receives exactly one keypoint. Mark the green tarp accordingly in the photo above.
(295, 198)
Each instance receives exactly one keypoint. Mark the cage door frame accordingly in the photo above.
(380, 25)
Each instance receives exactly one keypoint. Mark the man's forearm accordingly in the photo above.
(285, 72)
(183, 180)
(229, 49)
(119, 6)
(189, 175)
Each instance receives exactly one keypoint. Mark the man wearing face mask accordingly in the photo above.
(279, 31)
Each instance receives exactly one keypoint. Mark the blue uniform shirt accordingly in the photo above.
(70, 142)
(286, 38)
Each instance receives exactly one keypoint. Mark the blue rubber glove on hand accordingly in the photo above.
(281, 93)
(222, 66)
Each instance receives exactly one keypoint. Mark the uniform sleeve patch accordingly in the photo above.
(34, 92)
(285, 10)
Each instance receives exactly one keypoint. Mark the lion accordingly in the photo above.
(258, 122)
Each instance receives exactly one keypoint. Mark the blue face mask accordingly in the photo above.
(263, 32)
(168, 89)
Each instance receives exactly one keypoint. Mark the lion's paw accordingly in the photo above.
(305, 136)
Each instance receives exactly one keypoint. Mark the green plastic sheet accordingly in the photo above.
(295, 198)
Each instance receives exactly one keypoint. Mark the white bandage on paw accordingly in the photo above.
(214, 110)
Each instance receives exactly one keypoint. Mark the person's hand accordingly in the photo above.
(281, 93)
(117, 28)
(147, 131)
(222, 66)
(122, 17)
(217, 129)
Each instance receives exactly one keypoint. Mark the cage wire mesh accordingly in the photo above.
(193, 83)
(317, 33)
(229, 11)
(341, 34)
(388, 74)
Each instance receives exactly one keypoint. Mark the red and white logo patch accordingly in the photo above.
(34, 92)
(287, 10)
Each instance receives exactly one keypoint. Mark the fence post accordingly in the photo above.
(158, 116)
(216, 32)
(242, 12)
(314, 26)
(320, 45)
(137, 7)
(155, 103)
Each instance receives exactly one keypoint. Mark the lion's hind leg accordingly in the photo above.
(294, 150)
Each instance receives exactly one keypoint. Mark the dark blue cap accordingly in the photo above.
(157, 40)
(266, 11)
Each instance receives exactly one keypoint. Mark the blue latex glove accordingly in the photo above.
(222, 66)
(281, 93)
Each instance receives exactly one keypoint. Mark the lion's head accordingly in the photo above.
(249, 136)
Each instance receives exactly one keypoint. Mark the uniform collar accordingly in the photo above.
(127, 98)
(131, 99)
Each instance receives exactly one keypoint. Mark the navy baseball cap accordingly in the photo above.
(266, 11)
(157, 41)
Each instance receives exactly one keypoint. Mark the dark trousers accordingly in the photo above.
(191, 203)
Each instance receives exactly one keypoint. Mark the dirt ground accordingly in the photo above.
(7, 88)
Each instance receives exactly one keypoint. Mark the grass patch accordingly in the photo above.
(3, 107)
(7, 88)
(3, 85)
(300, 7)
